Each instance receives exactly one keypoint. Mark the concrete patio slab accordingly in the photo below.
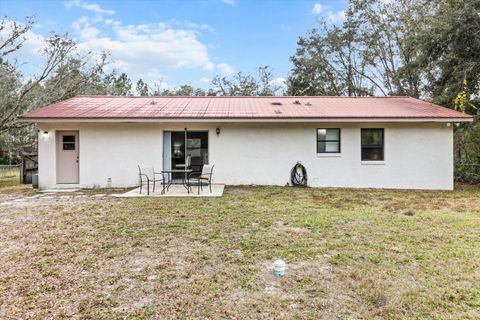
(175, 191)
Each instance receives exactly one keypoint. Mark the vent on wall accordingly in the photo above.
(276, 103)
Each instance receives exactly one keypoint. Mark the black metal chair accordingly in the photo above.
(196, 164)
(204, 179)
(186, 165)
(147, 175)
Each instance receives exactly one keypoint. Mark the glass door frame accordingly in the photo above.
(185, 149)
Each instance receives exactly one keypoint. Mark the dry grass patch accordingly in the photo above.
(360, 254)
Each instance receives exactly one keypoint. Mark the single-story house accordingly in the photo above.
(353, 142)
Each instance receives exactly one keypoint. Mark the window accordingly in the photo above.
(328, 140)
(372, 144)
(68, 142)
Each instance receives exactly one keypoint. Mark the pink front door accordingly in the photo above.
(67, 156)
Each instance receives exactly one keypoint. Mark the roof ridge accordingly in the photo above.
(247, 97)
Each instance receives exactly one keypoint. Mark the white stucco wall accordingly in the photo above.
(417, 155)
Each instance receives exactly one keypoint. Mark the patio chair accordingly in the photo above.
(196, 165)
(186, 165)
(147, 175)
(204, 179)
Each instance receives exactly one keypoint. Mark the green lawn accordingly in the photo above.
(351, 254)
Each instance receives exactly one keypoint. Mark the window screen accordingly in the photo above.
(328, 140)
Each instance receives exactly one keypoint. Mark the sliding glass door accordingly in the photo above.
(178, 149)
(185, 148)
(197, 149)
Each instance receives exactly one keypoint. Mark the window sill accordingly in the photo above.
(328, 155)
(373, 162)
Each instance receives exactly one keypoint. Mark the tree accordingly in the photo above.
(242, 84)
(463, 101)
(142, 88)
(239, 85)
(15, 138)
(78, 75)
(14, 103)
(326, 64)
(121, 85)
(449, 45)
(449, 52)
(266, 84)
(387, 31)
(183, 90)
(16, 34)
(65, 73)
(188, 90)
(371, 53)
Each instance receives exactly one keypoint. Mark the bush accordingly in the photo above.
(467, 152)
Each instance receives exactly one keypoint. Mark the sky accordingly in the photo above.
(176, 42)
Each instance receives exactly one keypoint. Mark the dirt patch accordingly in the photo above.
(239, 192)
(409, 213)
(284, 227)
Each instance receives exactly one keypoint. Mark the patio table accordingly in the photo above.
(169, 173)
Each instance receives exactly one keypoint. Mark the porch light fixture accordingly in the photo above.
(44, 135)
(217, 131)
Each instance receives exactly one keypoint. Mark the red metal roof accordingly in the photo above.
(217, 108)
